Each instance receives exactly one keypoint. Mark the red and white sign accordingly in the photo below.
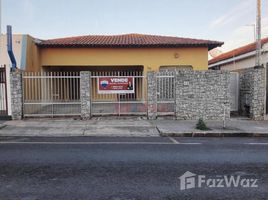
(116, 85)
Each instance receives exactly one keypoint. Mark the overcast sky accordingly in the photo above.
(223, 20)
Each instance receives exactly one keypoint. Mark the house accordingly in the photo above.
(240, 58)
(128, 55)
(131, 52)
(108, 53)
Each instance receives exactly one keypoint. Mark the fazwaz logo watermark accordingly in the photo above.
(190, 180)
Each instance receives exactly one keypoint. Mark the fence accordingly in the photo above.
(51, 94)
(3, 92)
(186, 94)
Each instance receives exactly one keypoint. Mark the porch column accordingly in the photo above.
(152, 95)
(85, 94)
(16, 95)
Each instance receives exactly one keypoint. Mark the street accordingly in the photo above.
(129, 168)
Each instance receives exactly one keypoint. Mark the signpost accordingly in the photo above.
(116, 85)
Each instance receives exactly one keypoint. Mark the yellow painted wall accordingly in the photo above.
(33, 57)
(151, 59)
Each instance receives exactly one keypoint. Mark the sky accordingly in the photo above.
(230, 21)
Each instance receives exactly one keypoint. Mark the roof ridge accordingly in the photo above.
(125, 34)
(128, 40)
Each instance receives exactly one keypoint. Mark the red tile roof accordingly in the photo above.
(128, 41)
(236, 52)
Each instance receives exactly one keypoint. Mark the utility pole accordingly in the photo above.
(258, 35)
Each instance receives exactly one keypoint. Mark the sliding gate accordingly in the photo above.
(49, 94)
(3, 92)
(105, 103)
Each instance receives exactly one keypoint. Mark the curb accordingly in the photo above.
(2, 126)
(213, 134)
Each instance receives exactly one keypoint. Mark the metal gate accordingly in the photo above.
(49, 94)
(3, 92)
(119, 104)
(165, 93)
(234, 91)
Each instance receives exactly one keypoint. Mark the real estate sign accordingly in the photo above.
(116, 85)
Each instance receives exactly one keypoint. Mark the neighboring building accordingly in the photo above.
(23, 49)
(240, 58)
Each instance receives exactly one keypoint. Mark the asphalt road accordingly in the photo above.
(129, 168)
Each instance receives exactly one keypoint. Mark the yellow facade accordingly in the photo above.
(150, 58)
(109, 59)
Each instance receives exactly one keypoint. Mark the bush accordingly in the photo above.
(201, 125)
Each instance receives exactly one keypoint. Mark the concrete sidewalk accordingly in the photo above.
(234, 128)
(129, 127)
(70, 127)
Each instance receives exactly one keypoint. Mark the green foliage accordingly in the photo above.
(201, 125)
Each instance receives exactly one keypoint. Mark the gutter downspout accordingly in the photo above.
(9, 48)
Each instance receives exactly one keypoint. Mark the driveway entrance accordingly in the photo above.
(118, 101)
